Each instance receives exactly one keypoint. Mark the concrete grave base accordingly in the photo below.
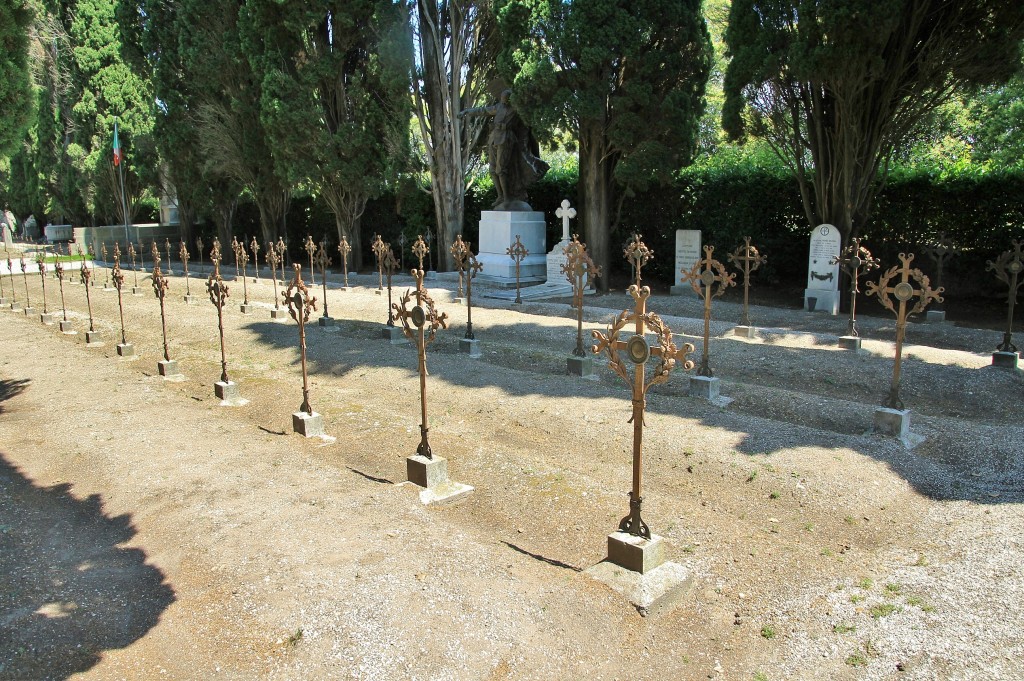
(849, 342)
(935, 316)
(137, 291)
(707, 387)
(168, 368)
(15, 307)
(246, 308)
(279, 314)
(378, 292)
(125, 349)
(580, 366)
(325, 321)
(745, 331)
(29, 311)
(470, 346)
(4, 302)
(343, 288)
(308, 425)
(46, 318)
(459, 301)
(635, 553)
(432, 474)
(896, 422)
(229, 394)
(94, 338)
(67, 327)
(189, 299)
(393, 335)
(1005, 360)
(655, 592)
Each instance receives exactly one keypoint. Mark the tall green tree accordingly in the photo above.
(838, 87)
(628, 76)
(17, 101)
(335, 97)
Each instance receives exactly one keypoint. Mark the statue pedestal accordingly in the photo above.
(498, 230)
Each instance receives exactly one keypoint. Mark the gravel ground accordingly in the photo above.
(147, 532)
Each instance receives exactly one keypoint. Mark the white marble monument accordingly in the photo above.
(498, 230)
(688, 253)
(822, 292)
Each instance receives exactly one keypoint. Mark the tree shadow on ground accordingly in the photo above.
(68, 590)
(851, 385)
(10, 388)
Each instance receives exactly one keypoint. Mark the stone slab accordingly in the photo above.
(137, 291)
(4, 302)
(29, 311)
(393, 335)
(46, 318)
(849, 342)
(308, 425)
(745, 331)
(325, 321)
(93, 337)
(459, 301)
(229, 394)
(896, 423)
(125, 349)
(532, 292)
(448, 492)
(822, 292)
(246, 308)
(168, 367)
(636, 553)
(688, 252)
(580, 366)
(707, 387)
(426, 472)
(189, 299)
(653, 593)
(67, 327)
(279, 314)
(935, 316)
(1005, 360)
(470, 346)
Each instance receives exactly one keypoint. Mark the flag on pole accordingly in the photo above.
(117, 146)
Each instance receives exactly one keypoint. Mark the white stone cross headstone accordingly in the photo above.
(822, 292)
(565, 212)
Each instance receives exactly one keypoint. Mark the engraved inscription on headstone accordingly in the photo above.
(822, 292)
(688, 254)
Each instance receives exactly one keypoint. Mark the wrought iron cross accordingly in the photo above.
(566, 212)
(378, 251)
(58, 267)
(184, 257)
(118, 277)
(154, 251)
(639, 351)
(703, 282)
(390, 267)
(904, 292)
(24, 279)
(310, 247)
(218, 291)
(343, 250)
(235, 248)
(242, 259)
(323, 262)
(855, 260)
(106, 274)
(518, 252)
(282, 253)
(135, 270)
(421, 249)
(41, 264)
(459, 251)
(940, 251)
(637, 253)
(160, 291)
(254, 246)
(473, 268)
(86, 274)
(300, 304)
(420, 324)
(401, 250)
(746, 259)
(10, 271)
(1007, 268)
(274, 259)
(580, 270)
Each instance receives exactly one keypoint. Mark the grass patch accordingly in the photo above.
(883, 610)
(295, 638)
(893, 589)
(857, 659)
(753, 476)
(760, 676)
(773, 495)
(843, 628)
(865, 583)
(918, 602)
(768, 632)
(855, 599)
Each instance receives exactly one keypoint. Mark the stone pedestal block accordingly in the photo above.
(895, 422)
(168, 367)
(393, 335)
(246, 308)
(93, 337)
(228, 393)
(378, 292)
(279, 313)
(707, 387)
(656, 592)
(15, 307)
(189, 299)
(125, 349)
(1004, 360)
(498, 230)
(459, 301)
(67, 327)
(46, 318)
(935, 316)
(579, 366)
(745, 332)
(635, 553)
(29, 311)
(4, 302)
(325, 321)
(849, 342)
(343, 288)
(308, 425)
(426, 472)
(137, 291)
(470, 346)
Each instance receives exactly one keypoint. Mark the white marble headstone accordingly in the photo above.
(688, 252)
(822, 292)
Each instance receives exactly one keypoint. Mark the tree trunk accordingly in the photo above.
(596, 184)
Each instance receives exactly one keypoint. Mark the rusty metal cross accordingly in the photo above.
(41, 264)
(218, 291)
(135, 270)
(274, 259)
(390, 265)
(639, 351)
(1008, 267)
(746, 259)
(904, 292)
(378, 251)
(310, 247)
(460, 251)
(254, 246)
(323, 262)
(343, 250)
(473, 268)
(637, 253)
(705, 273)
(118, 277)
(421, 249)
(518, 252)
(300, 304)
(184, 257)
(855, 260)
(580, 270)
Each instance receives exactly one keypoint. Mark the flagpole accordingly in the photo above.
(124, 200)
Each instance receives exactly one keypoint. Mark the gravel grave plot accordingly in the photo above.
(149, 533)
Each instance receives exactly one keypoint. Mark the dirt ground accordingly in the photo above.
(148, 532)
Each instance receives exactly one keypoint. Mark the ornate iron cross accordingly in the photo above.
(160, 291)
(254, 246)
(310, 247)
(637, 253)
(154, 252)
(10, 271)
(939, 252)
(378, 249)
(460, 251)
(242, 259)
(167, 248)
(24, 279)
(421, 249)
(1007, 268)
(565, 212)
(135, 270)
(343, 250)
(86, 274)
(420, 324)
(703, 282)
(580, 270)
(58, 267)
(300, 304)
(118, 277)
(235, 248)
(518, 252)
(904, 292)
(218, 291)
(746, 259)
(106, 273)
(323, 262)
(41, 264)
(184, 257)
(639, 351)
(855, 260)
(473, 268)
(390, 265)
(274, 259)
